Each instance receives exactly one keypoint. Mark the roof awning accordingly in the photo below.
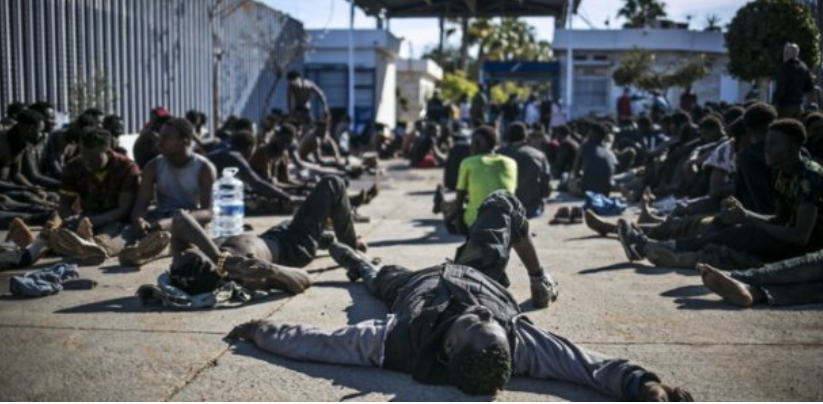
(465, 8)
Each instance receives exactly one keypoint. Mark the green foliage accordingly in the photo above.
(500, 93)
(633, 67)
(455, 84)
(687, 72)
(640, 13)
(637, 69)
(756, 36)
(95, 93)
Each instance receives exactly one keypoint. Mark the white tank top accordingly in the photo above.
(179, 187)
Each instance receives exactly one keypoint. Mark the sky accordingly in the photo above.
(420, 34)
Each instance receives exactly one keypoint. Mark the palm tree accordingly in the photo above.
(640, 13)
(712, 22)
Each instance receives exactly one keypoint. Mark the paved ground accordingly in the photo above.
(103, 345)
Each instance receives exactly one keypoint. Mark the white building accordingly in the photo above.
(375, 82)
(416, 82)
(597, 53)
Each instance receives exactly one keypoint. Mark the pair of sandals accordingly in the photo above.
(566, 215)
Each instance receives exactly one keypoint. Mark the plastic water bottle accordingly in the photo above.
(228, 204)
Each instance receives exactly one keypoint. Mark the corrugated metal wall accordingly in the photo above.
(152, 53)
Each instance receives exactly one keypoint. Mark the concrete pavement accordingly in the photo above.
(103, 345)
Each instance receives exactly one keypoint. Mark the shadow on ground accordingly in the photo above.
(375, 380)
(437, 235)
(132, 304)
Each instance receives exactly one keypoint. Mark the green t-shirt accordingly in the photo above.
(481, 175)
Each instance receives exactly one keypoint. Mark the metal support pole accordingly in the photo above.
(569, 62)
(351, 63)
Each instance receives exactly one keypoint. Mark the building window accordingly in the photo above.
(591, 93)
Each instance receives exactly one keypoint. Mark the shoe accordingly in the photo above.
(597, 224)
(349, 259)
(358, 218)
(146, 250)
(85, 229)
(20, 233)
(563, 216)
(632, 241)
(576, 216)
(439, 197)
(70, 245)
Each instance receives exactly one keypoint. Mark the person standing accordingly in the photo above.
(793, 82)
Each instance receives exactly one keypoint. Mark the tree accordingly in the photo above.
(637, 69)
(640, 13)
(712, 23)
(634, 66)
(511, 39)
(454, 85)
(758, 32)
(94, 93)
(687, 72)
(216, 13)
(278, 45)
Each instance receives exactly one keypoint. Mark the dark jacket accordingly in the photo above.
(793, 82)
(753, 180)
(533, 175)
(427, 306)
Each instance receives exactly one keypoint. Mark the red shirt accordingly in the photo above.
(99, 192)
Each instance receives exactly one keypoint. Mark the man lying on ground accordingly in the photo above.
(450, 324)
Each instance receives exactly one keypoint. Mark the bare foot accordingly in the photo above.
(655, 391)
(732, 291)
(19, 233)
(646, 217)
(85, 229)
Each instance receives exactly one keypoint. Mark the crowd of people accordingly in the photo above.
(733, 191)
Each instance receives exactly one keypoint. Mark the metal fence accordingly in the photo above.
(148, 53)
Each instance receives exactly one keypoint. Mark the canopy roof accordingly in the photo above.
(466, 8)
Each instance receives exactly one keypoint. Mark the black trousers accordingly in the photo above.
(501, 222)
(299, 238)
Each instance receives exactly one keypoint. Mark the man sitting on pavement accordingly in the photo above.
(797, 228)
(180, 180)
(533, 171)
(479, 176)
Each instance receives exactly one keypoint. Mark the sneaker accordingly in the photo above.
(146, 250)
(439, 197)
(632, 241)
(349, 259)
(19, 233)
(358, 218)
(576, 215)
(74, 247)
(563, 216)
